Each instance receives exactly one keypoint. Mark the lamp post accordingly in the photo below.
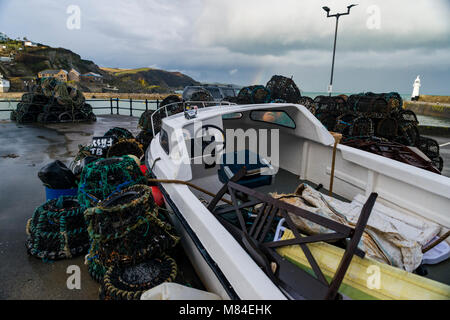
(337, 15)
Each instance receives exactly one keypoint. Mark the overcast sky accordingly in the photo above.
(382, 45)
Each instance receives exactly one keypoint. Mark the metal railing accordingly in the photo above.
(114, 105)
(181, 106)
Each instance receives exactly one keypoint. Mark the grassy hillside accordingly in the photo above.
(148, 80)
(28, 61)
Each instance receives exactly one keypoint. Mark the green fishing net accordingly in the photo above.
(126, 229)
(57, 230)
(103, 177)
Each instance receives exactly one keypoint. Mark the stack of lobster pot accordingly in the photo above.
(174, 105)
(375, 115)
(129, 241)
(52, 101)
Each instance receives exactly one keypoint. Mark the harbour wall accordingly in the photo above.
(429, 98)
(434, 131)
(434, 109)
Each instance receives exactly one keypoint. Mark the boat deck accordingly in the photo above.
(286, 182)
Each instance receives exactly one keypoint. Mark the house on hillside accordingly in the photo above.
(4, 84)
(74, 75)
(3, 37)
(58, 74)
(6, 59)
(29, 44)
(91, 77)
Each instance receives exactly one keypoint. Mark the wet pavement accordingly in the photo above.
(24, 149)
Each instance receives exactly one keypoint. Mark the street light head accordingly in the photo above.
(326, 9)
(351, 6)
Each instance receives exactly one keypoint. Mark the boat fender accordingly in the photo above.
(157, 195)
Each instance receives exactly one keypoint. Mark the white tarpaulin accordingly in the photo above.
(391, 236)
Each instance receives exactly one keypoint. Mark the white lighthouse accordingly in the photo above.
(416, 86)
(4, 84)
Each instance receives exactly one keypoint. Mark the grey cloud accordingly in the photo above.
(207, 39)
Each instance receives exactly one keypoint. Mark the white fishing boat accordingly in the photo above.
(226, 259)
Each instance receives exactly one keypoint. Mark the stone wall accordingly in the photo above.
(428, 108)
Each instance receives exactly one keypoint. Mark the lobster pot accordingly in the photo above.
(438, 162)
(47, 117)
(344, 123)
(96, 268)
(282, 88)
(245, 96)
(144, 138)
(126, 147)
(13, 115)
(57, 230)
(408, 116)
(48, 86)
(254, 94)
(260, 94)
(352, 100)
(68, 96)
(408, 134)
(199, 95)
(344, 97)
(175, 105)
(145, 121)
(27, 112)
(130, 282)
(65, 117)
(335, 105)
(387, 128)
(126, 228)
(119, 133)
(371, 105)
(116, 214)
(362, 127)
(394, 100)
(35, 98)
(103, 177)
(428, 146)
(53, 108)
(25, 117)
(327, 119)
(308, 103)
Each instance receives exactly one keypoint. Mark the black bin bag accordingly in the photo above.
(56, 175)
